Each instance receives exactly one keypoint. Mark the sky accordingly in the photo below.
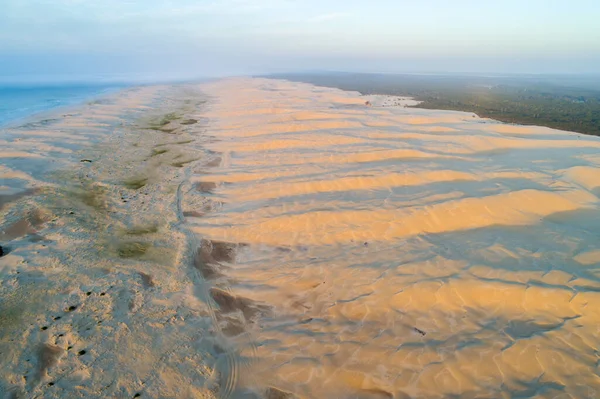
(172, 39)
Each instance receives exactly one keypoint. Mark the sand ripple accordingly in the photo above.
(373, 252)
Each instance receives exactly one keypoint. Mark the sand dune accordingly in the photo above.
(253, 238)
(403, 252)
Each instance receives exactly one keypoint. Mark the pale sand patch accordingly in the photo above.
(438, 129)
(326, 228)
(394, 101)
(588, 258)
(523, 130)
(18, 154)
(299, 127)
(50, 134)
(591, 158)
(312, 115)
(9, 173)
(586, 176)
(367, 156)
(472, 144)
(353, 183)
(307, 141)
(39, 147)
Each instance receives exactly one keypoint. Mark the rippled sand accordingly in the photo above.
(358, 251)
(253, 238)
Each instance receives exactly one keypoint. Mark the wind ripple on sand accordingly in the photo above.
(401, 252)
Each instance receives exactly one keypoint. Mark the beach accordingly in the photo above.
(96, 285)
(261, 238)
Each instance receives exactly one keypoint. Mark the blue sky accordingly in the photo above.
(181, 38)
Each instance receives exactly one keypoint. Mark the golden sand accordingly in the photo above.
(401, 252)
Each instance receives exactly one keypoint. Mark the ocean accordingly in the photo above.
(22, 101)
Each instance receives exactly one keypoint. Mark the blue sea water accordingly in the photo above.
(22, 101)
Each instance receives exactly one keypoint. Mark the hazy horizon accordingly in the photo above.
(157, 39)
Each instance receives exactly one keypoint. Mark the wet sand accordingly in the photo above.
(253, 238)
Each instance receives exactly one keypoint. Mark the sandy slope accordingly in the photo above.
(382, 251)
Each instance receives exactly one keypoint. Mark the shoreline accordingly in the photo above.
(71, 105)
